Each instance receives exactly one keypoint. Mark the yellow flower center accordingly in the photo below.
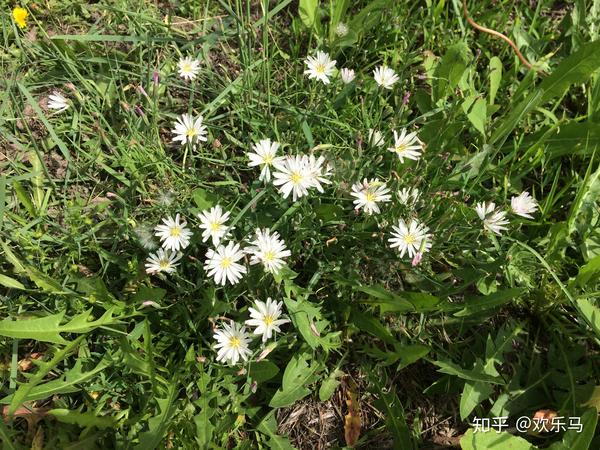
(175, 232)
(268, 159)
(226, 263)
(186, 67)
(268, 320)
(296, 177)
(234, 342)
(269, 256)
(20, 16)
(410, 239)
(215, 226)
(191, 132)
(320, 69)
(164, 264)
(370, 197)
(400, 148)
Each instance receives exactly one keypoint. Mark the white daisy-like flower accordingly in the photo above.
(232, 343)
(213, 222)
(189, 129)
(319, 67)
(406, 145)
(368, 194)
(375, 138)
(412, 238)
(162, 261)
(293, 176)
(317, 172)
(265, 317)
(222, 266)
(268, 249)
(188, 68)
(493, 219)
(264, 155)
(341, 30)
(385, 77)
(524, 205)
(173, 234)
(57, 101)
(347, 75)
(409, 197)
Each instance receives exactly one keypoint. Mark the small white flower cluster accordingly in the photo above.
(233, 341)
(222, 262)
(321, 67)
(293, 174)
(495, 220)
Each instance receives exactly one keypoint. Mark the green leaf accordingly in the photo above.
(204, 199)
(476, 305)
(478, 115)
(590, 312)
(495, 77)
(472, 375)
(307, 10)
(493, 441)
(574, 69)
(329, 385)
(204, 427)
(65, 384)
(262, 371)
(268, 426)
(371, 325)
(10, 282)
(589, 271)
(48, 329)
(403, 301)
(159, 424)
(451, 68)
(298, 373)
(575, 440)
(87, 419)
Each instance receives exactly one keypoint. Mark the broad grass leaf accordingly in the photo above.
(575, 440)
(493, 441)
(10, 283)
(307, 10)
(495, 78)
(298, 374)
(158, 426)
(85, 419)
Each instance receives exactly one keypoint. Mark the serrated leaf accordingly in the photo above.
(158, 426)
(298, 374)
(87, 419)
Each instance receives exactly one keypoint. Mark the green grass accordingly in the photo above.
(485, 326)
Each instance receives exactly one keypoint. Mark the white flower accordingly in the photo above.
(221, 264)
(269, 250)
(173, 234)
(264, 156)
(265, 317)
(347, 75)
(375, 138)
(317, 174)
(57, 101)
(411, 238)
(341, 30)
(293, 175)
(409, 197)
(319, 67)
(232, 343)
(213, 223)
(188, 68)
(406, 145)
(162, 261)
(385, 77)
(493, 220)
(524, 205)
(368, 194)
(189, 129)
